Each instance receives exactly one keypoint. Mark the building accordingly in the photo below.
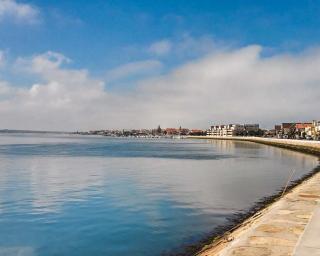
(176, 131)
(251, 127)
(303, 126)
(277, 130)
(183, 131)
(315, 130)
(270, 133)
(303, 129)
(196, 132)
(288, 128)
(300, 130)
(226, 130)
(171, 131)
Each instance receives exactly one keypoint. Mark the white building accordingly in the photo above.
(315, 129)
(233, 130)
(226, 130)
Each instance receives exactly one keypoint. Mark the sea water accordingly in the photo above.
(85, 195)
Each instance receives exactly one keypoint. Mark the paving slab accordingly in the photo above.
(290, 226)
(309, 243)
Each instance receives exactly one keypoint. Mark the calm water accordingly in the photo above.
(72, 195)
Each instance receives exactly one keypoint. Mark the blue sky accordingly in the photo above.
(101, 34)
(157, 57)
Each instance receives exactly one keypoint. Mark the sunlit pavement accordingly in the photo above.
(310, 240)
(290, 226)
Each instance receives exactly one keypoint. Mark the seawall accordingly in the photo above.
(305, 146)
(281, 228)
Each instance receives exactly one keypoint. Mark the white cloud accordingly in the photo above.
(19, 12)
(191, 46)
(5, 89)
(2, 59)
(228, 86)
(46, 65)
(160, 48)
(134, 69)
(185, 47)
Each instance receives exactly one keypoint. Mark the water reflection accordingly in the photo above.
(106, 202)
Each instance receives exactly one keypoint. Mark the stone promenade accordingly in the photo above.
(290, 226)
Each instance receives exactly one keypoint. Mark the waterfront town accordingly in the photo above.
(298, 130)
(148, 133)
(293, 130)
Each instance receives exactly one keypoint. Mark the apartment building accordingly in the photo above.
(303, 129)
(298, 130)
(251, 129)
(315, 130)
(226, 130)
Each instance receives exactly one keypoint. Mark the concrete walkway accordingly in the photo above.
(310, 241)
(288, 227)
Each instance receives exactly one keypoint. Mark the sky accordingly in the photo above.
(102, 64)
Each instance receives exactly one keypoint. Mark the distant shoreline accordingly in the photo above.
(303, 146)
(31, 131)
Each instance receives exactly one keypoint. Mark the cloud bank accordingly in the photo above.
(237, 85)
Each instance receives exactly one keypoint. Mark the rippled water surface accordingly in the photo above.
(78, 195)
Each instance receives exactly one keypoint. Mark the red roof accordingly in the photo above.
(303, 125)
(196, 130)
(287, 125)
(172, 130)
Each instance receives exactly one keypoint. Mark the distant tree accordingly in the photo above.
(159, 129)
